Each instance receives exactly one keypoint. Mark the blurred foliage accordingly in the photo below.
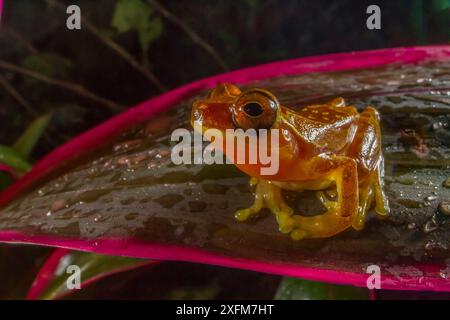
(244, 33)
(11, 158)
(49, 64)
(136, 15)
(195, 293)
(298, 289)
(19, 265)
(92, 266)
(5, 180)
(28, 140)
(17, 156)
(425, 14)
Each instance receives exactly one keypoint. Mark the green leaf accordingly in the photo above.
(5, 180)
(27, 141)
(440, 5)
(298, 289)
(193, 293)
(49, 64)
(136, 15)
(417, 20)
(91, 266)
(150, 34)
(11, 158)
(131, 15)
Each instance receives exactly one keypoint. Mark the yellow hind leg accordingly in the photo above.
(381, 201)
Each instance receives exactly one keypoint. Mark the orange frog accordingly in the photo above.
(329, 147)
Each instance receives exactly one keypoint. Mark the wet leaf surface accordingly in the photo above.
(131, 190)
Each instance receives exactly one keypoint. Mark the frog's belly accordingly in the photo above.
(305, 185)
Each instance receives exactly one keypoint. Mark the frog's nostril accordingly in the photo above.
(253, 109)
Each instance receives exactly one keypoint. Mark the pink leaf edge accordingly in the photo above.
(431, 279)
(156, 251)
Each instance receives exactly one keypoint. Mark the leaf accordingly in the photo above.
(27, 141)
(193, 293)
(115, 190)
(150, 33)
(19, 264)
(11, 158)
(49, 64)
(51, 282)
(417, 19)
(441, 12)
(5, 180)
(131, 15)
(136, 15)
(298, 289)
(440, 5)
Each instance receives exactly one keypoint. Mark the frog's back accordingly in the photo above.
(326, 126)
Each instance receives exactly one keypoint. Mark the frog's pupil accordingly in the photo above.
(253, 109)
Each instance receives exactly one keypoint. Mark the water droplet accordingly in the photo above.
(411, 225)
(430, 198)
(58, 205)
(444, 208)
(437, 125)
(123, 161)
(447, 183)
(179, 231)
(127, 145)
(430, 226)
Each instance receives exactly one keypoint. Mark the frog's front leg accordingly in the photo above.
(340, 216)
(268, 195)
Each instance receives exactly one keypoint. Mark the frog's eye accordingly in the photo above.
(255, 108)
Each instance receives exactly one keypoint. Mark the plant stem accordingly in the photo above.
(17, 96)
(24, 103)
(190, 32)
(17, 36)
(73, 87)
(116, 48)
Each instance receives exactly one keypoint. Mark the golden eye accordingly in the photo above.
(255, 108)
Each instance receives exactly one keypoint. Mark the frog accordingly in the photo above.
(330, 148)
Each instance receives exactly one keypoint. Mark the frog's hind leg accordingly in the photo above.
(268, 195)
(371, 190)
(381, 202)
(339, 215)
(366, 195)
